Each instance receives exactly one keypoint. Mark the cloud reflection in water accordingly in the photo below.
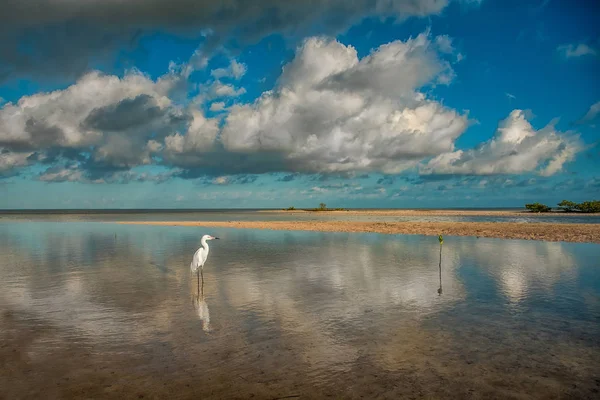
(335, 304)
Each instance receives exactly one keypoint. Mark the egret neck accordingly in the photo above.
(205, 245)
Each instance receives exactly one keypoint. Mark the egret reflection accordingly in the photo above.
(201, 305)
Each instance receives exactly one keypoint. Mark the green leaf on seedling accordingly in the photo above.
(441, 239)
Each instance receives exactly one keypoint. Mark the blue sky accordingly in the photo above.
(437, 103)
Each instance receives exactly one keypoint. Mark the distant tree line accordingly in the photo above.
(322, 207)
(567, 206)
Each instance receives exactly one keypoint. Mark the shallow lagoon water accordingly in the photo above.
(93, 310)
(255, 215)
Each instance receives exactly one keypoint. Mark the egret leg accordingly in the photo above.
(202, 274)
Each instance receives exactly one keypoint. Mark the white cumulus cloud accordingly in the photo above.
(591, 115)
(63, 175)
(11, 160)
(217, 106)
(219, 89)
(119, 122)
(330, 112)
(235, 70)
(98, 110)
(579, 50)
(333, 112)
(515, 148)
(199, 137)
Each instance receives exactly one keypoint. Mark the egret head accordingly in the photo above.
(209, 237)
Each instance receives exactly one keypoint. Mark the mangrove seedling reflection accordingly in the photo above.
(441, 240)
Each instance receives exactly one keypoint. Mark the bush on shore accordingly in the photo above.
(589, 206)
(538, 207)
(567, 206)
(322, 207)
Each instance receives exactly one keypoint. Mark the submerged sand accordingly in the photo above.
(563, 232)
(92, 317)
(474, 362)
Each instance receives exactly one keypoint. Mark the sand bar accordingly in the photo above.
(430, 213)
(585, 233)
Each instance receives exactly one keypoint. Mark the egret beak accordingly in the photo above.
(216, 238)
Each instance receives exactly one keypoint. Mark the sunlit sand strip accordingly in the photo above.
(584, 233)
(430, 213)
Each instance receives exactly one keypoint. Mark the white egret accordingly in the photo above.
(201, 254)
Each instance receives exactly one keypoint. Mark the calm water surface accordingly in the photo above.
(253, 215)
(97, 310)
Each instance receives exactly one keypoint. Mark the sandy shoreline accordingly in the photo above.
(583, 233)
(431, 213)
